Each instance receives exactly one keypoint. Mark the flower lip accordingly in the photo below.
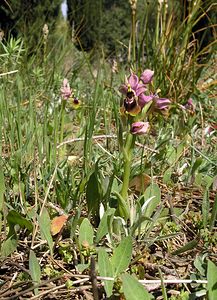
(139, 128)
(131, 106)
(75, 102)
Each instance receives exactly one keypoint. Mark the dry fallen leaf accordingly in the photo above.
(57, 224)
(140, 182)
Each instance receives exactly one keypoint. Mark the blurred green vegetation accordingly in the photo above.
(105, 24)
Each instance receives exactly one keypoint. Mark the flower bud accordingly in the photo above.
(147, 76)
(139, 128)
(162, 103)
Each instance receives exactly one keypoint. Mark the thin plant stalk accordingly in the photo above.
(134, 34)
(62, 117)
(157, 24)
(133, 4)
(128, 149)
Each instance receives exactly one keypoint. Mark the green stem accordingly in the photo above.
(62, 116)
(157, 25)
(128, 149)
(134, 34)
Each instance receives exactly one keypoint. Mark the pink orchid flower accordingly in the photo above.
(65, 89)
(134, 92)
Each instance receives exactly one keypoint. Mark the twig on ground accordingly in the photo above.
(96, 137)
(8, 73)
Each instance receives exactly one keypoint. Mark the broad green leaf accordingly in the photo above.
(133, 289)
(200, 265)
(35, 270)
(212, 280)
(93, 193)
(86, 233)
(14, 218)
(8, 246)
(105, 270)
(45, 228)
(122, 256)
(154, 192)
(103, 225)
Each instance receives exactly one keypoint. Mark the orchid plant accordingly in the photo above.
(139, 100)
(67, 95)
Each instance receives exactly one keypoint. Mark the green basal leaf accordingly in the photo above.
(153, 193)
(105, 270)
(133, 289)
(45, 225)
(122, 256)
(14, 218)
(35, 270)
(104, 224)
(93, 193)
(86, 233)
(212, 280)
(9, 246)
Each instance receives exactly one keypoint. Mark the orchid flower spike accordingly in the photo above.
(65, 89)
